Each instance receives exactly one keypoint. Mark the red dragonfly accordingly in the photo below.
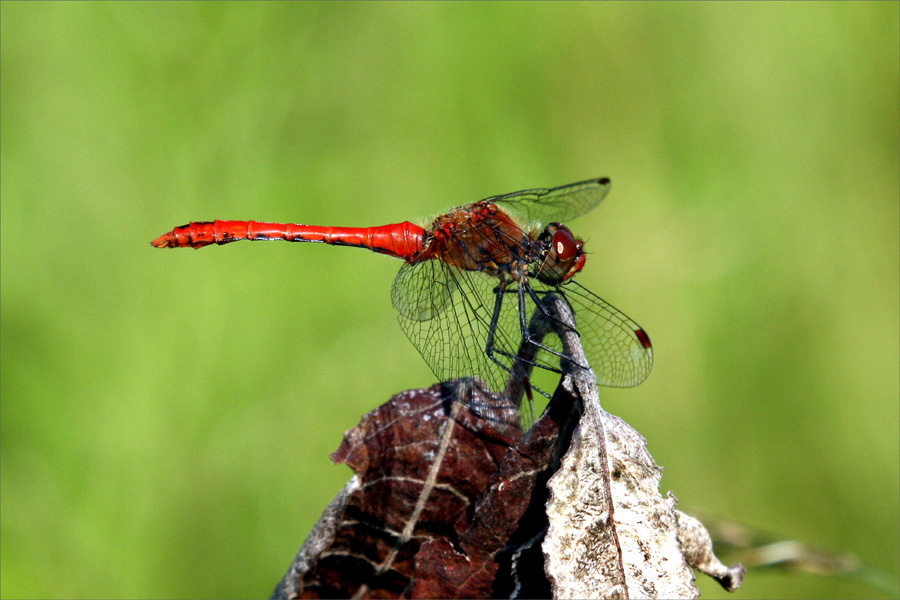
(473, 278)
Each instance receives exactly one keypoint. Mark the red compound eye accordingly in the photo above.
(564, 244)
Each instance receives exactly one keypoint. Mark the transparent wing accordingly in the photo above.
(467, 328)
(618, 348)
(453, 334)
(539, 207)
(423, 290)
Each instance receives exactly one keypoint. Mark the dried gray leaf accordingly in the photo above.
(696, 545)
(611, 533)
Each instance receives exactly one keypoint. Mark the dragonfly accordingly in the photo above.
(471, 281)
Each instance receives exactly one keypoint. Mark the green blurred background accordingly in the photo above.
(167, 415)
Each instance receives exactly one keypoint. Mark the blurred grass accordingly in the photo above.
(167, 416)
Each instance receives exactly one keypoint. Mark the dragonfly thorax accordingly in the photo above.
(562, 254)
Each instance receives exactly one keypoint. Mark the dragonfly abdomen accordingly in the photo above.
(402, 240)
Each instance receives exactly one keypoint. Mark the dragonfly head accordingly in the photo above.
(562, 254)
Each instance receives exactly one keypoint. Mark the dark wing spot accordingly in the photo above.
(642, 336)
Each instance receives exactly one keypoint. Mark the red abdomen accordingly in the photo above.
(402, 240)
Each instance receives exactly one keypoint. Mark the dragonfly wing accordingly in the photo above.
(446, 314)
(453, 328)
(539, 207)
(617, 348)
(422, 290)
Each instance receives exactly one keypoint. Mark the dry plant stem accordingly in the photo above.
(449, 501)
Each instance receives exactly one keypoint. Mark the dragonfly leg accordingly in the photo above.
(531, 335)
(518, 366)
(545, 314)
(553, 319)
(489, 348)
